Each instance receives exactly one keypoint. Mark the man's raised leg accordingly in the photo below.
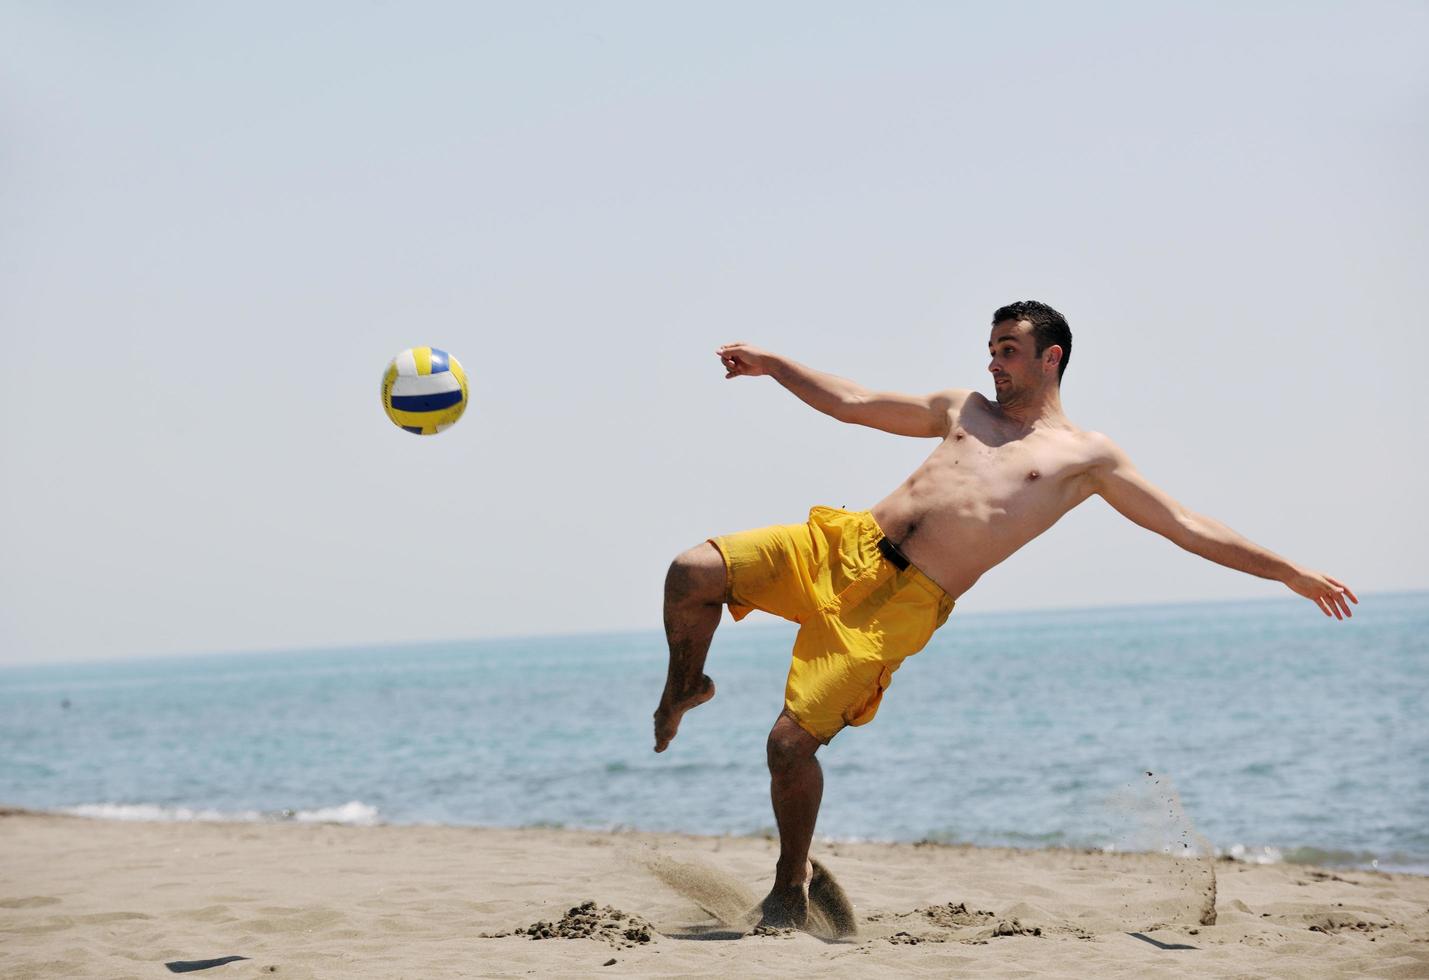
(796, 787)
(694, 601)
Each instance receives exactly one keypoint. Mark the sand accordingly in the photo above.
(86, 898)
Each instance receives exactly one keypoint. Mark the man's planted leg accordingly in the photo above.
(694, 601)
(796, 786)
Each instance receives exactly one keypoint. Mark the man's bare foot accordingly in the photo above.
(785, 907)
(673, 707)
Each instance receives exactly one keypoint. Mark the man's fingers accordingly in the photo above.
(1343, 588)
(1333, 597)
(1338, 596)
(735, 367)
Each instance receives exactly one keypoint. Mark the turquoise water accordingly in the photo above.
(1287, 736)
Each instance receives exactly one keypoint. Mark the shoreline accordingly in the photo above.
(357, 814)
(115, 898)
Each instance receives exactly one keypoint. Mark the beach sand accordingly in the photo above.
(89, 898)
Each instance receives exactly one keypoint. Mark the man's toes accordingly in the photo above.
(664, 732)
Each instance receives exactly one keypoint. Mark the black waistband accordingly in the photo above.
(894, 555)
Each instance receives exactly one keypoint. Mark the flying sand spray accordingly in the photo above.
(1164, 825)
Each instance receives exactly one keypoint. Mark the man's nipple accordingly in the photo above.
(1033, 475)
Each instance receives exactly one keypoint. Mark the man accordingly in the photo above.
(868, 589)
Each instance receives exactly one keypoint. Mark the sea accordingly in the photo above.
(1258, 730)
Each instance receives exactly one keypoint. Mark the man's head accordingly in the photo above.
(1030, 346)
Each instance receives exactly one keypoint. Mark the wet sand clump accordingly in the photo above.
(952, 916)
(590, 921)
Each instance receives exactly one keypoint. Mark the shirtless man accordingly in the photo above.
(868, 589)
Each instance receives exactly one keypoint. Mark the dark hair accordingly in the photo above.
(1048, 327)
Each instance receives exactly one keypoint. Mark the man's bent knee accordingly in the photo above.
(789, 745)
(697, 575)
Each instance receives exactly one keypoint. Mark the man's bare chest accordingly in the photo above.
(1033, 470)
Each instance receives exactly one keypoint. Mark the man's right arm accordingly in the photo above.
(1121, 485)
(904, 415)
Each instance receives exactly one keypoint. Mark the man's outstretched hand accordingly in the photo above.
(742, 359)
(1324, 592)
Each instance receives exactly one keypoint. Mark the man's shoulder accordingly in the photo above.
(1087, 445)
(952, 401)
(1097, 448)
(957, 396)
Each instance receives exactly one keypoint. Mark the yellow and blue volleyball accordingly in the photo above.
(424, 390)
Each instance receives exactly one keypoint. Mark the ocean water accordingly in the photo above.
(1258, 729)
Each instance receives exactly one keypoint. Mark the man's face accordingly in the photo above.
(1016, 369)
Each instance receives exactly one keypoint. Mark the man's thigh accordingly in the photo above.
(770, 568)
(833, 684)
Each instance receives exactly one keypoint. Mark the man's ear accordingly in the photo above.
(1052, 356)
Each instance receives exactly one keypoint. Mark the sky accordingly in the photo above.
(219, 222)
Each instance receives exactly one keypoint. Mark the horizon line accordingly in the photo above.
(137, 658)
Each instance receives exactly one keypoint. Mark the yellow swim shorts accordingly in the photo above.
(859, 616)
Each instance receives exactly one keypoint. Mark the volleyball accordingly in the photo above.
(424, 390)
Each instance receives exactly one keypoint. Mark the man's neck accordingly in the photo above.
(1043, 408)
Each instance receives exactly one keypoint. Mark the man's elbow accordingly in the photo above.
(1188, 531)
(849, 408)
(1201, 535)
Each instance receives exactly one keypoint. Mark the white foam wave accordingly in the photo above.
(353, 813)
(1256, 855)
(154, 812)
(1239, 852)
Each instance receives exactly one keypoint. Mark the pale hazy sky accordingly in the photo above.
(218, 222)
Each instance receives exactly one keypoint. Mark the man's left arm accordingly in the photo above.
(1118, 482)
